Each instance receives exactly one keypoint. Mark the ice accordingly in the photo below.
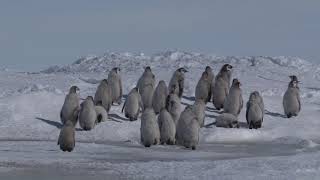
(283, 148)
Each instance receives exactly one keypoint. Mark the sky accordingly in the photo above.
(35, 34)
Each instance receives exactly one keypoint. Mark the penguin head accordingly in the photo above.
(116, 69)
(182, 70)
(235, 81)
(293, 84)
(105, 81)
(226, 67)
(90, 98)
(148, 68)
(205, 75)
(74, 89)
(208, 68)
(294, 78)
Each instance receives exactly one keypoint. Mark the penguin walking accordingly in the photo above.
(173, 104)
(114, 80)
(291, 98)
(211, 81)
(159, 97)
(220, 92)
(88, 115)
(188, 129)
(254, 112)
(103, 94)
(132, 105)
(199, 108)
(150, 133)
(176, 83)
(203, 88)
(146, 84)
(71, 106)
(234, 102)
(167, 127)
(66, 139)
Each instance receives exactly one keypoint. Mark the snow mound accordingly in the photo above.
(171, 59)
(38, 88)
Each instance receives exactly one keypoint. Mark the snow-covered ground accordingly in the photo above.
(282, 149)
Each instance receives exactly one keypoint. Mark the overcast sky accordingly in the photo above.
(37, 33)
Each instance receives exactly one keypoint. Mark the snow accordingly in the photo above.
(282, 149)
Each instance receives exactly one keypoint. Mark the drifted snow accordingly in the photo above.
(282, 149)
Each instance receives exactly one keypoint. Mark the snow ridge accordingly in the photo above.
(171, 59)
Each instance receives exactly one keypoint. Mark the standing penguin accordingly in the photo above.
(167, 127)
(102, 114)
(146, 85)
(227, 120)
(150, 133)
(114, 80)
(103, 94)
(88, 115)
(159, 97)
(173, 104)
(203, 88)
(225, 73)
(199, 108)
(132, 105)
(177, 80)
(71, 106)
(254, 112)
(234, 102)
(220, 92)
(188, 129)
(291, 98)
(66, 138)
(211, 81)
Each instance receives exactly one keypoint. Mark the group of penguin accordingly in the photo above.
(162, 119)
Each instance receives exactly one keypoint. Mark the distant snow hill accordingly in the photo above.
(171, 59)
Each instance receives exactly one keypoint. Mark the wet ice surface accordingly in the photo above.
(282, 149)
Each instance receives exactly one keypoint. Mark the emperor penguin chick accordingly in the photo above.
(103, 94)
(211, 81)
(102, 114)
(254, 113)
(225, 73)
(147, 95)
(188, 129)
(220, 92)
(150, 133)
(71, 106)
(234, 102)
(167, 127)
(291, 99)
(203, 88)
(173, 104)
(132, 105)
(146, 85)
(159, 97)
(66, 139)
(177, 82)
(88, 115)
(227, 120)
(114, 80)
(199, 108)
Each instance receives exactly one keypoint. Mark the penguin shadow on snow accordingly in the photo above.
(189, 98)
(116, 117)
(209, 109)
(186, 104)
(274, 114)
(54, 123)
